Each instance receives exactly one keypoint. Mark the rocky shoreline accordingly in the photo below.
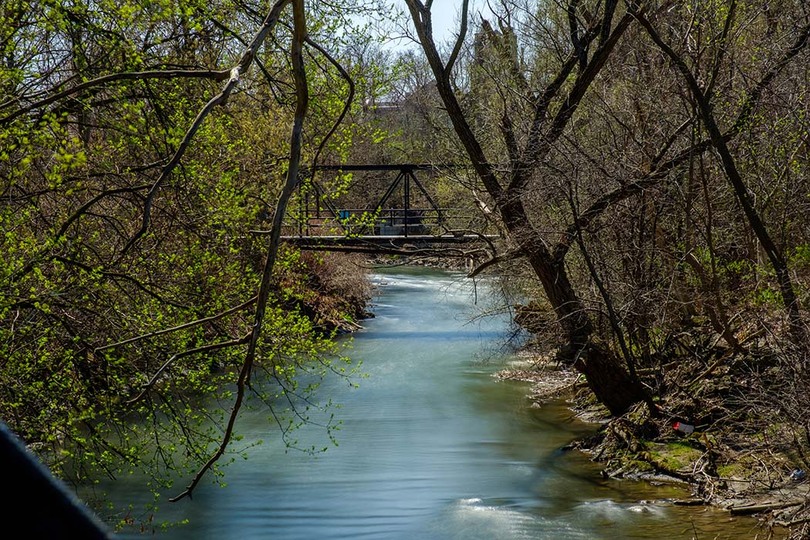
(628, 447)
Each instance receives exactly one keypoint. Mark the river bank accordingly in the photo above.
(741, 474)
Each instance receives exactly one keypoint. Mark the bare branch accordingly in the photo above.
(630, 189)
(296, 141)
(540, 141)
(420, 14)
(346, 105)
(217, 75)
(198, 350)
(719, 142)
(183, 326)
(580, 49)
(462, 34)
(220, 99)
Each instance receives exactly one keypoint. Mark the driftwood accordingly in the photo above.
(689, 502)
(748, 509)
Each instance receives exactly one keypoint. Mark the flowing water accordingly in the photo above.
(432, 447)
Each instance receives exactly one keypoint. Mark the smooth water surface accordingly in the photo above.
(432, 447)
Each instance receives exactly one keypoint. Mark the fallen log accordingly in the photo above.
(748, 509)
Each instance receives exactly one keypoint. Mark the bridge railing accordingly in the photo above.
(386, 222)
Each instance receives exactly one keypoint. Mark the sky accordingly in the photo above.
(445, 17)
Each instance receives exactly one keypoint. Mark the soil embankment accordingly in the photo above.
(740, 462)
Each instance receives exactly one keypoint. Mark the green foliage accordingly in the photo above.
(800, 257)
(121, 345)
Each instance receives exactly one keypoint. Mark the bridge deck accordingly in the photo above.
(396, 244)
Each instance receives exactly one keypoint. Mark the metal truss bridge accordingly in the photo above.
(405, 219)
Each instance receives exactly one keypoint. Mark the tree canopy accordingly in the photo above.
(646, 163)
(141, 145)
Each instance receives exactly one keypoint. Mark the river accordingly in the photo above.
(431, 447)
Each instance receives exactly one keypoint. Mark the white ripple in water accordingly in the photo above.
(612, 512)
(475, 519)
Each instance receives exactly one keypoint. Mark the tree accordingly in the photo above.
(141, 145)
(703, 98)
(549, 93)
(549, 106)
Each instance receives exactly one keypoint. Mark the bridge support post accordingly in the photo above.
(407, 202)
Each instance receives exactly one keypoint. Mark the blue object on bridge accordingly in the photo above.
(344, 214)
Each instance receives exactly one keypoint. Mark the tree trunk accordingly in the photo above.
(607, 375)
(609, 380)
(605, 372)
(702, 98)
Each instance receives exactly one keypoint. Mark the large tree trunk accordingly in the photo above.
(607, 375)
(605, 372)
(609, 380)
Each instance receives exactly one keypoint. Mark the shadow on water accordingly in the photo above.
(432, 447)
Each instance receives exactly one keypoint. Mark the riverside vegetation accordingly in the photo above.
(644, 163)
